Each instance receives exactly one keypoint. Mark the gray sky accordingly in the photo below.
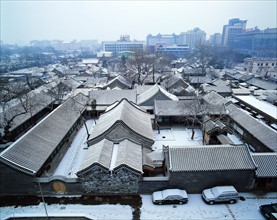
(23, 21)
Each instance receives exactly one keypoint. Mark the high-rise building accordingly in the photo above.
(124, 44)
(215, 39)
(234, 27)
(161, 39)
(260, 43)
(193, 38)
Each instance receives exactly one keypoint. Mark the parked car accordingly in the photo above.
(170, 196)
(220, 194)
(269, 210)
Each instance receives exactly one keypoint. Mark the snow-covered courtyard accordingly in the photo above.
(196, 208)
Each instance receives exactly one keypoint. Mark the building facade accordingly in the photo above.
(261, 43)
(234, 27)
(124, 44)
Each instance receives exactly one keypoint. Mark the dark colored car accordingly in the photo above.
(170, 196)
(269, 210)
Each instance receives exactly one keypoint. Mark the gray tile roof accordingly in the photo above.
(128, 154)
(267, 164)
(260, 131)
(154, 92)
(214, 98)
(131, 116)
(262, 84)
(218, 89)
(108, 97)
(211, 126)
(200, 79)
(186, 108)
(31, 151)
(119, 81)
(37, 102)
(210, 158)
(99, 153)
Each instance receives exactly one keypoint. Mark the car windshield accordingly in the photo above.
(215, 191)
(274, 207)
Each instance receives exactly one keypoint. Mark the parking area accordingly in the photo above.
(196, 208)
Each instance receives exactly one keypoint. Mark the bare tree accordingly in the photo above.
(15, 101)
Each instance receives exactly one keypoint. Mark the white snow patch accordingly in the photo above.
(71, 161)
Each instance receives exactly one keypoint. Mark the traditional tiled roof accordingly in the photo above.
(200, 79)
(262, 84)
(267, 164)
(129, 154)
(211, 126)
(126, 114)
(99, 153)
(154, 92)
(214, 98)
(103, 153)
(30, 152)
(120, 82)
(108, 97)
(210, 158)
(173, 80)
(37, 101)
(218, 89)
(260, 131)
(186, 108)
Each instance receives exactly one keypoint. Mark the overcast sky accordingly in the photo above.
(23, 21)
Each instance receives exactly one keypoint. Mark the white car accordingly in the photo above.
(220, 194)
(170, 196)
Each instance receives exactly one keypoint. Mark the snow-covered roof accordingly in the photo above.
(267, 109)
(210, 158)
(111, 157)
(35, 101)
(214, 98)
(108, 97)
(218, 89)
(267, 164)
(120, 82)
(262, 84)
(260, 131)
(29, 153)
(155, 92)
(211, 126)
(99, 153)
(127, 115)
(186, 108)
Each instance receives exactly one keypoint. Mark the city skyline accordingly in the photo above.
(23, 21)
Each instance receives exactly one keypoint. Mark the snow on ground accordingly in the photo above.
(94, 212)
(172, 136)
(176, 136)
(73, 157)
(195, 209)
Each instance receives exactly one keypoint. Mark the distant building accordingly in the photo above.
(235, 26)
(173, 50)
(190, 39)
(193, 38)
(257, 42)
(161, 39)
(215, 39)
(263, 67)
(124, 44)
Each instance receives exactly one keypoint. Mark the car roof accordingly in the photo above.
(168, 192)
(224, 189)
